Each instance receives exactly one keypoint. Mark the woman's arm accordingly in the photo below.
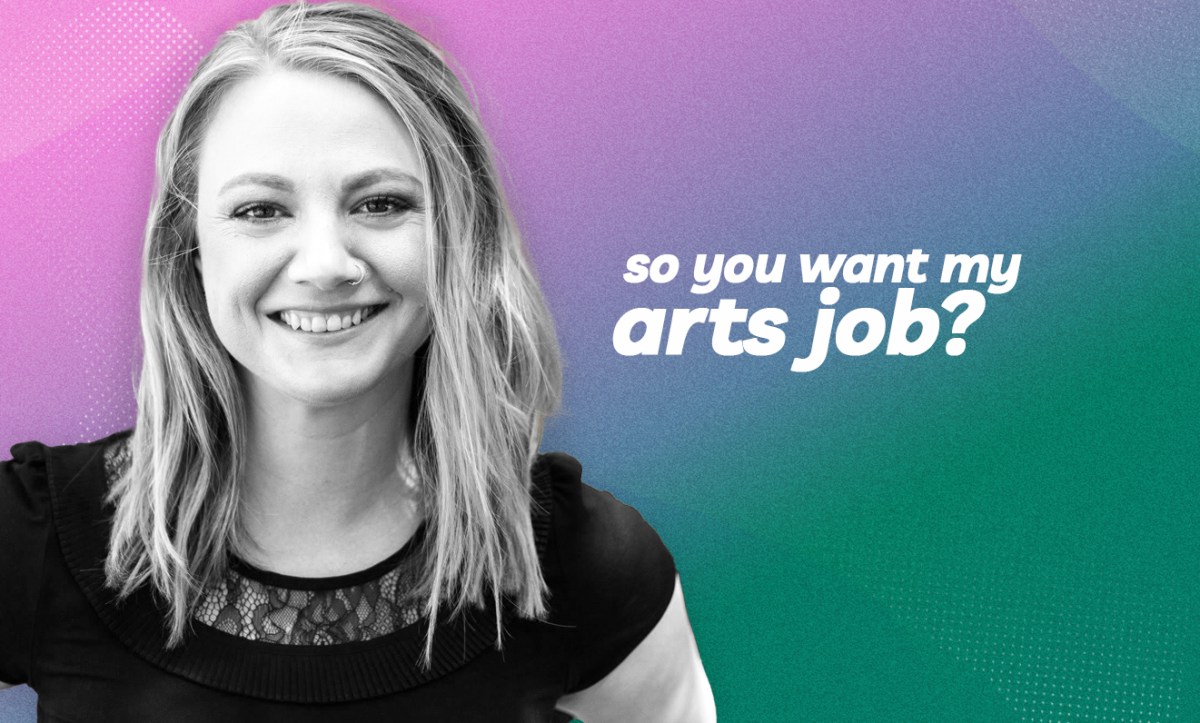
(662, 680)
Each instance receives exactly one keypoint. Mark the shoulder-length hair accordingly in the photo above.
(486, 378)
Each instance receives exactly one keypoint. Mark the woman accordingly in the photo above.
(331, 506)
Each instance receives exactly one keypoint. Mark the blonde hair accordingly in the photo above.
(487, 378)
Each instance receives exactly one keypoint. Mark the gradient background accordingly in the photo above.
(1012, 534)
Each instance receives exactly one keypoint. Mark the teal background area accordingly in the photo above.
(1008, 535)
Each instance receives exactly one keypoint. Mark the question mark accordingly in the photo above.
(975, 303)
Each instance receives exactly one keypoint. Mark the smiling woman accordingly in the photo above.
(310, 211)
(332, 504)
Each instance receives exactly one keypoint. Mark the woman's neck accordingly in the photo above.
(331, 489)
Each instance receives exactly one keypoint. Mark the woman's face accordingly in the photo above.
(304, 179)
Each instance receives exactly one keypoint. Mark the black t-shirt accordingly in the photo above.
(92, 658)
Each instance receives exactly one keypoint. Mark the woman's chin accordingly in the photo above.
(315, 388)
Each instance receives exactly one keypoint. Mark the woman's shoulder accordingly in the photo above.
(26, 478)
(23, 481)
(40, 478)
(43, 487)
(590, 526)
(39, 485)
(34, 465)
(610, 576)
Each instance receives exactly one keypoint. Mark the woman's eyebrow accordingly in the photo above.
(257, 179)
(376, 175)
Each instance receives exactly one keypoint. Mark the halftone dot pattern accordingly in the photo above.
(1072, 643)
(88, 64)
(128, 61)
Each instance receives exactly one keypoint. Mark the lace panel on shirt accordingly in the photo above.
(254, 610)
(248, 608)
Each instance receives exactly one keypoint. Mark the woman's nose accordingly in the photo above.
(322, 257)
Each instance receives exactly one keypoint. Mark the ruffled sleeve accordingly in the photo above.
(614, 576)
(25, 526)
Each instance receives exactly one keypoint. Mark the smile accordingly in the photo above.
(324, 323)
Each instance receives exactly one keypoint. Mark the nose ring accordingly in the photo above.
(362, 273)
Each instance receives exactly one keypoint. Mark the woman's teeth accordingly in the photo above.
(321, 323)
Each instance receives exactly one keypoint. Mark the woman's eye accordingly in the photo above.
(384, 205)
(258, 212)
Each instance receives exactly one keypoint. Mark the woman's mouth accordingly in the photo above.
(325, 323)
